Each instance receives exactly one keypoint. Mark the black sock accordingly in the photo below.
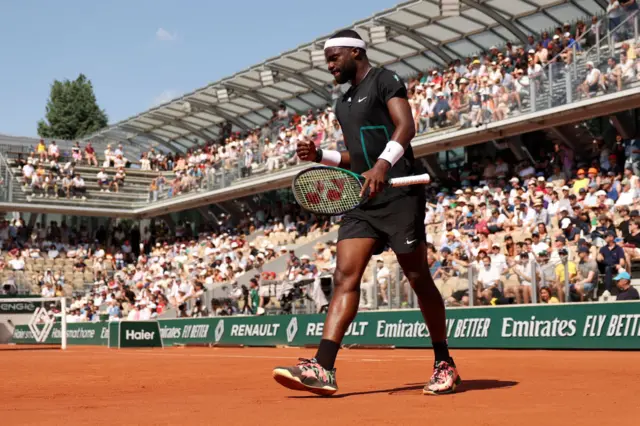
(327, 353)
(441, 351)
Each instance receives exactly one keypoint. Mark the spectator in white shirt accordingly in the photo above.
(523, 270)
(103, 180)
(78, 187)
(109, 156)
(383, 276)
(145, 163)
(498, 260)
(426, 113)
(53, 252)
(538, 246)
(120, 161)
(592, 82)
(28, 171)
(17, 264)
(54, 151)
(628, 195)
(535, 72)
(488, 280)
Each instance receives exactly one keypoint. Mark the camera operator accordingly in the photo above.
(240, 293)
(199, 310)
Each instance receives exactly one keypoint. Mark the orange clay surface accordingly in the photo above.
(223, 386)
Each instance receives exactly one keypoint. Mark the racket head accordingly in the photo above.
(328, 190)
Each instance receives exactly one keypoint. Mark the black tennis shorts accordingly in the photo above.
(398, 224)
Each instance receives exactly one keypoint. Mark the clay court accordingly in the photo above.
(234, 387)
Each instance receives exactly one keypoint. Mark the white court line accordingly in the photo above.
(340, 356)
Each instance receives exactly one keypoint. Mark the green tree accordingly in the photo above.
(72, 111)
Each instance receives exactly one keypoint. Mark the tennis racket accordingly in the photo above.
(334, 191)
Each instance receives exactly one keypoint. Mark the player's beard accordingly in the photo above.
(347, 72)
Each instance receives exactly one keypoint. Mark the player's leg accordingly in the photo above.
(407, 238)
(445, 377)
(317, 375)
(352, 255)
(416, 270)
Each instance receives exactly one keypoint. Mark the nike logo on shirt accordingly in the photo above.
(410, 242)
(362, 99)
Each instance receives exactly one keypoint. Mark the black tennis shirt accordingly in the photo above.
(367, 127)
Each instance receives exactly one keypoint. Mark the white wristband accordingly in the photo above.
(392, 152)
(331, 157)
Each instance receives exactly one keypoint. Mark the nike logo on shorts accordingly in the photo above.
(410, 242)
(362, 99)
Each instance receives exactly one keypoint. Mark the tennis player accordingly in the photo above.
(378, 127)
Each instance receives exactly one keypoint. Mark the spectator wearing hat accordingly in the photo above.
(592, 81)
(629, 195)
(582, 182)
(625, 290)
(426, 112)
(541, 214)
(610, 257)
(559, 244)
(306, 266)
(587, 277)
(569, 231)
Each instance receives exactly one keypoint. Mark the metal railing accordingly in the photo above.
(461, 287)
(562, 82)
(7, 180)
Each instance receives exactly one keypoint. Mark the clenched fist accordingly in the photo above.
(306, 150)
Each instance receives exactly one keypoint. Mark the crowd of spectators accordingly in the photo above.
(49, 173)
(154, 268)
(561, 212)
(499, 219)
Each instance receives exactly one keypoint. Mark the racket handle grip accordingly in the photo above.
(410, 180)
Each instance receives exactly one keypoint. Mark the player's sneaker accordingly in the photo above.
(444, 380)
(309, 376)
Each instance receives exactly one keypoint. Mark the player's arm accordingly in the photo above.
(307, 151)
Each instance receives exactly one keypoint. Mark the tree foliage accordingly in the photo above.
(72, 111)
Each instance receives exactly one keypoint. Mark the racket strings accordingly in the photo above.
(327, 191)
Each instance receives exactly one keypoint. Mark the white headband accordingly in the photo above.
(345, 42)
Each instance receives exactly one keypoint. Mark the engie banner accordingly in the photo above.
(567, 326)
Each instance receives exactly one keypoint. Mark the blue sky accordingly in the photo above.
(139, 53)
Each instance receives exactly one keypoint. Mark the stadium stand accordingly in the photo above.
(501, 79)
(516, 203)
